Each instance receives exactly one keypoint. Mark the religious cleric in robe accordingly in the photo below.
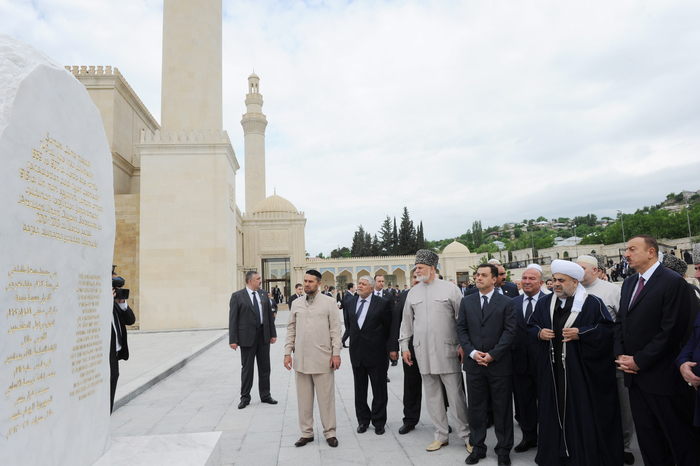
(573, 344)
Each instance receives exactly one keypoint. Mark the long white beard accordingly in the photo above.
(422, 278)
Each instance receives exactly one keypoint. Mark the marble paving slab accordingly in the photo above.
(196, 449)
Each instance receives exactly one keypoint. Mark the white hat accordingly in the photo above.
(586, 259)
(535, 266)
(575, 271)
(494, 262)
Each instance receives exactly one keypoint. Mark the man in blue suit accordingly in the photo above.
(653, 318)
(524, 368)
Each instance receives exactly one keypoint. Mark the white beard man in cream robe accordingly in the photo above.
(430, 317)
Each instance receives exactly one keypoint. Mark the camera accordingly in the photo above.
(117, 284)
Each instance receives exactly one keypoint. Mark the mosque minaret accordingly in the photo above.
(254, 123)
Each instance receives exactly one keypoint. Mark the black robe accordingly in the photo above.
(592, 427)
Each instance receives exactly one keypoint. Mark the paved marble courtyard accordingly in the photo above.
(203, 396)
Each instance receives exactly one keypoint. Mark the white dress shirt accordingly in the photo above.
(534, 302)
(361, 317)
(646, 276)
(257, 298)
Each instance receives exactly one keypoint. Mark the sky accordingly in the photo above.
(459, 110)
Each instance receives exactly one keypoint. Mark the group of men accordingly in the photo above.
(583, 365)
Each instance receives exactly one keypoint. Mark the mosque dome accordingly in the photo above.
(455, 247)
(253, 76)
(275, 203)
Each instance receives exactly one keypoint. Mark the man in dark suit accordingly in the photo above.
(654, 314)
(486, 328)
(251, 326)
(349, 294)
(388, 295)
(370, 325)
(412, 380)
(298, 290)
(122, 315)
(524, 368)
(503, 287)
(273, 306)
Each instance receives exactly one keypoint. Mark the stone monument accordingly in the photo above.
(56, 245)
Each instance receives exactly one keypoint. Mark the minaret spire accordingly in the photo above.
(254, 123)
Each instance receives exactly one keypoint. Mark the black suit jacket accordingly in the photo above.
(493, 333)
(242, 320)
(652, 329)
(522, 354)
(396, 322)
(510, 289)
(368, 344)
(291, 299)
(123, 318)
(386, 294)
(273, 305)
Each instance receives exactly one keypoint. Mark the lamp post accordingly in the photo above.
(576, 240)
(622, 221)
(687, 213)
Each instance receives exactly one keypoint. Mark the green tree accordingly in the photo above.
(358, 242)
(386, 238)
(394, 240)
(477, 233)
(420, 237)
(407, 238)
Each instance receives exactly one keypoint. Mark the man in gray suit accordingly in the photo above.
(251, 326)
(486, 329)
(430, 317)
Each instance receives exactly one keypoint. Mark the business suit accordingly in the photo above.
(292, 298)
(691, 353)
(412, 380)
(368, 344)
(273, 307)
(491, 330)
(650, 330)
(524, 373)
(253, 337)
(121, 319)
(346, 318)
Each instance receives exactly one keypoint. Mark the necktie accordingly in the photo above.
(258, 320)
(486, 303)
(528, 310)
(359, 311)
(639, 288)
(500, 291)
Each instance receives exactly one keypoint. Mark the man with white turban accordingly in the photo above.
(573, 345)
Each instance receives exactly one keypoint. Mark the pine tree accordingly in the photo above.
(394, 240)
(358, 242)
(367, 247)
(386, 239)
(477, 233)
(376, 246)
(407, 234)
(420, 238)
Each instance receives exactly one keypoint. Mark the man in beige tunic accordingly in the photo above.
(430, 317)
(313, 335)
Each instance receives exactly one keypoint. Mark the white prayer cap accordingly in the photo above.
(575, 271)
(494, 262)
(586, 259)
(536, 267)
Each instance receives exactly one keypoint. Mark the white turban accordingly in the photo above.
(587, 260)
(536, 267)
(575, 271)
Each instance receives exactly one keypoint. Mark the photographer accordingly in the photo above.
(122, 315)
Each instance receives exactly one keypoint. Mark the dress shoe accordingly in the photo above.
(503, 460)
(345, 346)
(629, 457)
(474, 457)
(470, 448)
(269, 400)
(361, 429)
(332, 442)
(379, 430)
(243, 404)
(436, 445)
(303, 441)
(387, 380)
(449, 429)
(525, 445)
(406, 428)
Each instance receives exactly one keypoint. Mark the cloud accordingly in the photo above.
(462, 111)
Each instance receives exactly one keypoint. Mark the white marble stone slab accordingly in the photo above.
(56, 246)
(197, 449)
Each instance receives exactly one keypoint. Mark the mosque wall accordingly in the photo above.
(126, 246)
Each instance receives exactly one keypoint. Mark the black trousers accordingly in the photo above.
(664, 426)
(478, 387)
(377, 377)
(113, 372)
(260, 352)
(412, 390)
(525, 391)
